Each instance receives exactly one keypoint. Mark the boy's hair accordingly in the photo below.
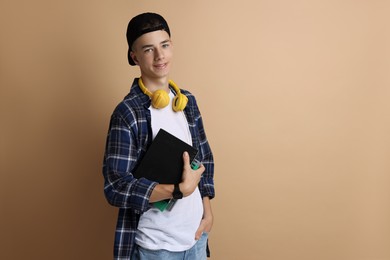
(141, 24)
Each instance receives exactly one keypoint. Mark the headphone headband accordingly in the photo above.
(160, 98)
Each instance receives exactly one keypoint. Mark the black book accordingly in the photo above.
(163, 161)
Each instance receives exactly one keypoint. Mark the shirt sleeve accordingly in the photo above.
(120, 187)
(206, 184)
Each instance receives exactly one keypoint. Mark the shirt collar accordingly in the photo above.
(145, 99)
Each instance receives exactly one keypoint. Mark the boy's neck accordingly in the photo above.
(155, 84)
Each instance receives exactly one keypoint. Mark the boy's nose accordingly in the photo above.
(158, 54)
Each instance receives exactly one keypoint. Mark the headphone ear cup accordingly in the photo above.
(179, 102)
(160, 99)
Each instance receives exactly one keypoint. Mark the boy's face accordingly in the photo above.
(152, 52)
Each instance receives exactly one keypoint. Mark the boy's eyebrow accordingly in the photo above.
(167, 40)
(151, 45)
(147, 46)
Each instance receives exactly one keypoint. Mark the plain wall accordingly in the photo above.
(295, 99)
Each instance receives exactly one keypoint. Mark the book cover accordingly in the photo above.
(163, 161)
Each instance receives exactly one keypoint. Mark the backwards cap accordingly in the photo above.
(141, 24)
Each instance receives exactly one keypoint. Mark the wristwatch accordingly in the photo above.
(177, 194)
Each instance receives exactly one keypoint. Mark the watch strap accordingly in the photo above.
(177, 194)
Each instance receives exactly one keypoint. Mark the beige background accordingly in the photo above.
(295, 98)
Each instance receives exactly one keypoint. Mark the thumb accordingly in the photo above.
(186, 159)
(199, 231)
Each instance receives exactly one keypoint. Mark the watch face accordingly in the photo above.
(177, 196)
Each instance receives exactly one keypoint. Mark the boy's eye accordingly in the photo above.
(148, 50)
(165, 45)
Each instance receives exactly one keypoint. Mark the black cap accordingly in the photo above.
(141, 24)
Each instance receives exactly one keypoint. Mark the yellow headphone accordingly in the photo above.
(160, 98)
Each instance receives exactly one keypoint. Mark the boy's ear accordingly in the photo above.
(132, 55)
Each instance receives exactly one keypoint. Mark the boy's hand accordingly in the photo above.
(190, 178)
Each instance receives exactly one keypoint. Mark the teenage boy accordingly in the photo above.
(143, 231)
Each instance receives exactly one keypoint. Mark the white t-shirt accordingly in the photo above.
(172, 230)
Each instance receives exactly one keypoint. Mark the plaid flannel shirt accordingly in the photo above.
(129, 136)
